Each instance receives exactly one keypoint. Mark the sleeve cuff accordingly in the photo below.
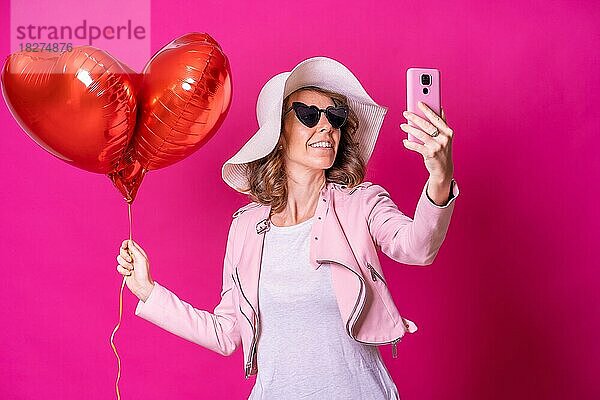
(454, 192)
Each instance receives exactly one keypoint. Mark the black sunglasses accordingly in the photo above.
(310, 115)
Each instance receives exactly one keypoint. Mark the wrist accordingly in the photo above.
(440, 180)
(439, 190)
(144, 292)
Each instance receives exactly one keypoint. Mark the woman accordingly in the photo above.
(310, 237)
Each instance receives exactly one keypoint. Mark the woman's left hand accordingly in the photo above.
(436, 150)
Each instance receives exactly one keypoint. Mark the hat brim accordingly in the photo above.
(322, 72)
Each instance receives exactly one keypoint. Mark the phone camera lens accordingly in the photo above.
(425, 79)
(425, 90)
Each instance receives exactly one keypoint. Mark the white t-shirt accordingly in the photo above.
(303, 350)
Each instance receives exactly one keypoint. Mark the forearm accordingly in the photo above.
(215, 331)
(409, 241)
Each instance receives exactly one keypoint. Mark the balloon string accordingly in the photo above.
(120, 315)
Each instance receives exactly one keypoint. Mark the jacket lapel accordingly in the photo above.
(331, 247)
(335, 250)
(248, 268)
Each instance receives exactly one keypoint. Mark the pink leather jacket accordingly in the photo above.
(350, 225)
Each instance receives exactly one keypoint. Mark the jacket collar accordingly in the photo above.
(328, 241)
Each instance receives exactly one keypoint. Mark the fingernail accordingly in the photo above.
(405, 113)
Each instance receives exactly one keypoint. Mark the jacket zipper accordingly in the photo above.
(254, 330)
(349, 328)
(250, 361)
(394, 349)
(375, 274)
(253, 335)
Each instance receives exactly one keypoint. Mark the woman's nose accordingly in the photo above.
(323, 124)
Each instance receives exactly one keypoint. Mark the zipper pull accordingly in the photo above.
(373, 276)
(394, 348)
(247, 369)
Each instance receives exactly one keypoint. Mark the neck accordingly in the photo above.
(302, 198)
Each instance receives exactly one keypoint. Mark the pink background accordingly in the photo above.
(509, 309)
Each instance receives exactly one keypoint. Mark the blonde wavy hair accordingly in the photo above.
(267, 179)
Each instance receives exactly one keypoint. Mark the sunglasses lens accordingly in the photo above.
(337, 116)
(309, 116)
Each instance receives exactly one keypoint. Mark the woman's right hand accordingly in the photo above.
(135, 266)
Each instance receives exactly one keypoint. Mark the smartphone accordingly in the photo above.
(422, 84)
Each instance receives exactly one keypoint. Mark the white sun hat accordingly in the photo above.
(322, 72)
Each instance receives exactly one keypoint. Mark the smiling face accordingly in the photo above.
(300, 140)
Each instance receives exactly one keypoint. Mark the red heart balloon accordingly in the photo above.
(80, 106)
(184, 98)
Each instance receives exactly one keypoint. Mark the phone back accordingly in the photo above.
(422, 84)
